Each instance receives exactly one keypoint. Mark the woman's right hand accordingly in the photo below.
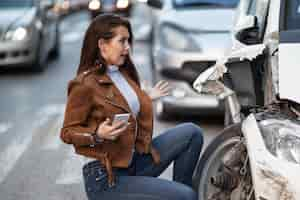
(109, 131)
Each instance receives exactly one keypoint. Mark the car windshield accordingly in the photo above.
(15, 3)
(216, 3)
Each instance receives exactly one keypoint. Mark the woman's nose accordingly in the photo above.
(127, 46)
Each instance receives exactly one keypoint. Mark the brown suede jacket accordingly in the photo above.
(93, 97)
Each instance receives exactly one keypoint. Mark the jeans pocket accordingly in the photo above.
(95, 180)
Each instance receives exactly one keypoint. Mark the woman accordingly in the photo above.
(127, 160)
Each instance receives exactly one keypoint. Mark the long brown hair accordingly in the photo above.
(102, 28)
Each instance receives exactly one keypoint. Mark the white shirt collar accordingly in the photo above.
(112, 68)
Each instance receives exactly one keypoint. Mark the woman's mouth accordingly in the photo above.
(123, 55)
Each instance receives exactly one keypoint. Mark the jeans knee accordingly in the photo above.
(196, 131)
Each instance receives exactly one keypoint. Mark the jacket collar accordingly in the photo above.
(111, 91)
(104, 80)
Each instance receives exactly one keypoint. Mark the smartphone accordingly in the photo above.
(121, 117)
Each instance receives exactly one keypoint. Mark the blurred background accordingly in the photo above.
(40, 44)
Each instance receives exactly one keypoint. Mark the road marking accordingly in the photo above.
(52, 141)
(14, 150)
(71, 171)
(23, 135)
(5, 126)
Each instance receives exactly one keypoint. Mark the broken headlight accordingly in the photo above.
(282, 139)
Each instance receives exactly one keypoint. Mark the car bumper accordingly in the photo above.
(168, 58)
(19, 53)
(183, 100)
(181, 69)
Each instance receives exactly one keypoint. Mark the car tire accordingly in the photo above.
(210, 161)
(55, 51)
(40, 58)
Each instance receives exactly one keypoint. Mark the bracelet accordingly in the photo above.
(97, 139)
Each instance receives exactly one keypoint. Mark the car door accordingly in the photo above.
(289, 50)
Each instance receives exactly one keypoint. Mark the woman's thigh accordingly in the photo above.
(170, 144)
(145, 188)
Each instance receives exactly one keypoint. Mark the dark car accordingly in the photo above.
(122, 7)
(29, 32)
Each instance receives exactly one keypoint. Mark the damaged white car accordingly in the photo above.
(258, 156)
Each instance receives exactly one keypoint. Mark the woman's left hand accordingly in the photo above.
(161, 89)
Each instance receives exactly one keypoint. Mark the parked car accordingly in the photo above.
(75, 5)
(122, 7)
(188, 37)
(29, 32)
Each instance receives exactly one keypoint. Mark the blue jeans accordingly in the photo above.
(181, 144)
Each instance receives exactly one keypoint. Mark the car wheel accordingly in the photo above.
(210, 164)
(55, 51)
(40, 58)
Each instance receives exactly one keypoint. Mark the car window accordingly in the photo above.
(260, 10)
(15, 3)
(217, 3)
(252, 8)
(292, 12)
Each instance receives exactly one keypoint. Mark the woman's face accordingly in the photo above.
(115, 50)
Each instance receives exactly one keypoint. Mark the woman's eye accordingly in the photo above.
(124, 41)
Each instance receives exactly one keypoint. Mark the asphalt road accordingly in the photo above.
(34, 163)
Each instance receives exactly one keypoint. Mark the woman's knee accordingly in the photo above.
(195, 131)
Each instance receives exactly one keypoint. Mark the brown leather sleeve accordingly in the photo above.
(76, 129)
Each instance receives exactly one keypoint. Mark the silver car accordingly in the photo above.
(28, 33)
(188, 37)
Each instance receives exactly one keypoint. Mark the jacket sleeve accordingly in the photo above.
(76, 129)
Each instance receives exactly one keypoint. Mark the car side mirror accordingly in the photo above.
(247, 31)
(155, 3)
